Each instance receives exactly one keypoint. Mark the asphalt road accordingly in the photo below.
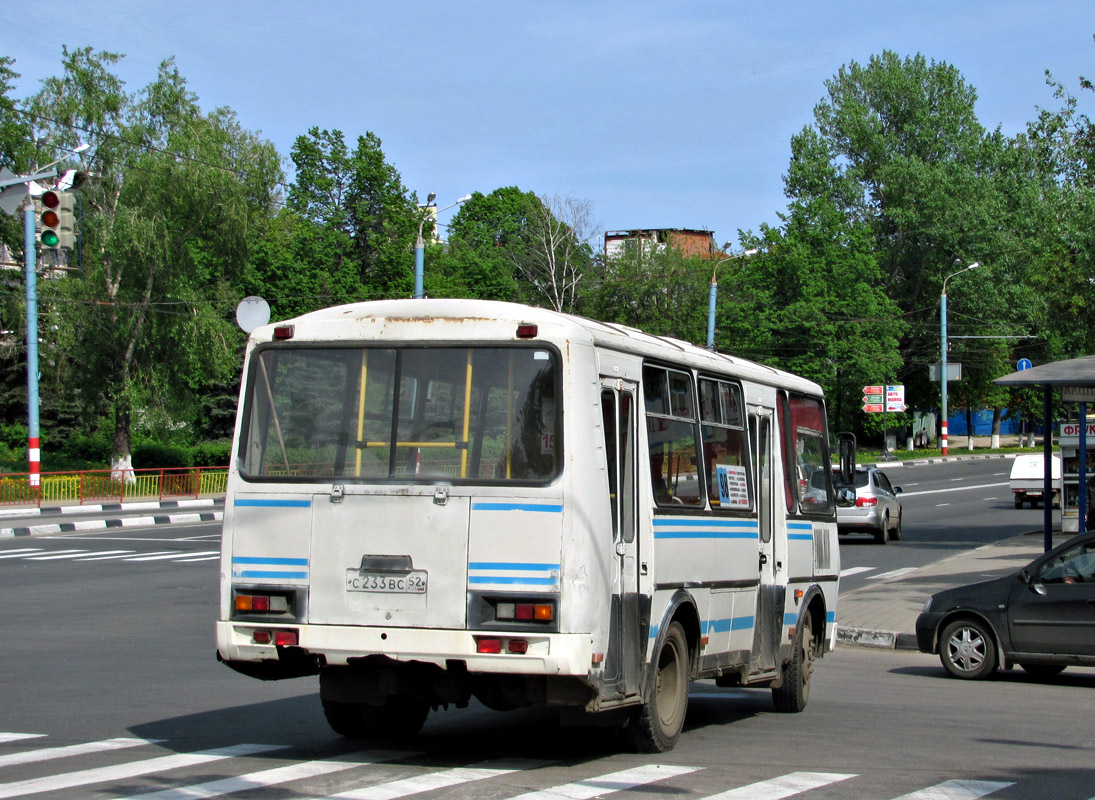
(946, 507)
(102, 655)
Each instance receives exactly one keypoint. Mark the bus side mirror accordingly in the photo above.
(846, 447)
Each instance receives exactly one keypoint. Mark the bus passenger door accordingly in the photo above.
(768, 623)
(626, 640)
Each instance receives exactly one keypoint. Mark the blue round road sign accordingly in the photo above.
(1024, 363)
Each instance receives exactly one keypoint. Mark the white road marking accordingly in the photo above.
(896, 573)
(405, 787)
(50, 753)
(783, 786)
(606, 784)
(956, 790)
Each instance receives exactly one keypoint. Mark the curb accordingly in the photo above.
(145, 505)
(882, 640)
(102, 524)
(912, 462)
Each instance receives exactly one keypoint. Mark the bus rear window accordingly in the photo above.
(482, 414)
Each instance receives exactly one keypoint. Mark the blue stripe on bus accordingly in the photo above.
(513, 566)
(707, 523)
(513, 580)
(830, 616)
(790, 619)
(281, 562)
(733, 624)
(271, 503)
(254, 573)
(549, 509)
(807, 536)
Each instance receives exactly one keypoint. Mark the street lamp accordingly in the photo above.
(713, 295)
(420, 245)
(943, 359)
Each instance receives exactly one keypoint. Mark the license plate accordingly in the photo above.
(388, 582)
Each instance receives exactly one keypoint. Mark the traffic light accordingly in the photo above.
(56, 221)
(67, 228)
(49, 220)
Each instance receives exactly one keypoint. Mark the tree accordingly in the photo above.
(173, 196)
(896, 147)
(359, 217)
(486, 238)
(653, 287)
(557, 253)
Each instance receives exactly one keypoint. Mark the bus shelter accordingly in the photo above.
(1075, 379)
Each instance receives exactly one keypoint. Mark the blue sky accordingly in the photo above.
(659, 114)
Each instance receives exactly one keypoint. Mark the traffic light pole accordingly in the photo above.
(34, 449)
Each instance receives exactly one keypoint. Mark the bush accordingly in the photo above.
(151, 455)
(211, 454)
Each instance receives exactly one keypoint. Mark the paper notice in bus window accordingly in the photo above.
(733, 486)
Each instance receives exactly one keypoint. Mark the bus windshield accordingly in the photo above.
(476, 414)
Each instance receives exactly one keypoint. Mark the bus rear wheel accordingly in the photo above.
(656, 725)
(401, 717)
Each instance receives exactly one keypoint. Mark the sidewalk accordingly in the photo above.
(884, 614)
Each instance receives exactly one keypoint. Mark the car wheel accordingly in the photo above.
(967, 650)
(1043, 670)
(895, 534)
(882, 535)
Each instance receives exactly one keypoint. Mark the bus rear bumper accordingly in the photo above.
(338, 645)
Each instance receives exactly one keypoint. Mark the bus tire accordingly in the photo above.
(793, 693)
(401, 717)
(655, 726)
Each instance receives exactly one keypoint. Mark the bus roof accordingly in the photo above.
(339, 322)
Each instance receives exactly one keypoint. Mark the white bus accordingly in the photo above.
(435, 500)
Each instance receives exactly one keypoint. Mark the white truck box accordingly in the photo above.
(1028, 478)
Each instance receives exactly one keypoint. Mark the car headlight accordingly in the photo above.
(928, 604)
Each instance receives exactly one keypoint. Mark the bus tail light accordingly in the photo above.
(527, 330)
(283, 332)
(495, 646)
(288, 638)
(261, 603)
(525, 612)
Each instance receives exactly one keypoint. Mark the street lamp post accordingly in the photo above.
(943, 358)
(420, 244)
(714, 293)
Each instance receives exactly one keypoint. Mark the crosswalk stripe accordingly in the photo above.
(57, 554)
(127, 554)
(203, 558)
(50, 753)
(606, 784)
(272, 777)
(783, 786)
(956, 790)
(176, 554)
(104, 554)
(844, 573)
(15, 737)
(132, 769)
(435, 780)
(897, 573)
(157, 556)
(22, 551)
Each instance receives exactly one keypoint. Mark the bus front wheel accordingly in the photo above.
(794, 692)
(656, 725)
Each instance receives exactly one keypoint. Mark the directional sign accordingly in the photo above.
(872, 398)
(873, 389)
(872, 408)
(1024, 363)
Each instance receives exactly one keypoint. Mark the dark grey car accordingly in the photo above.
(1041, 617)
